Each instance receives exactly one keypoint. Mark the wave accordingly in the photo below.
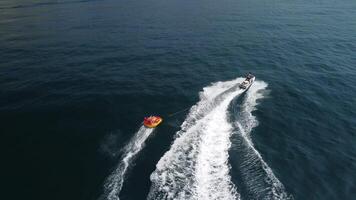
(257, 177)
(196, 166)
(49, 3)
(113, 184)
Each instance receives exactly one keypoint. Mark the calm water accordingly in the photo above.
(77, 78)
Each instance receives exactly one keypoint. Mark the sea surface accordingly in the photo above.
(78, 76)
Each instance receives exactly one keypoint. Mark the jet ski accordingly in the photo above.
(247, 82)
(152, 121)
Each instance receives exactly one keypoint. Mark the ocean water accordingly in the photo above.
(78, 76)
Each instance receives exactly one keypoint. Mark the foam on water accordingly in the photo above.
(256, 174)
(196, 166)
(209, 97)
(115, 181)
(212, 169)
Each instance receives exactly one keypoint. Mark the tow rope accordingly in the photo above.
(175, 113)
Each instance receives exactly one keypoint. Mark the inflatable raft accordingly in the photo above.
(152, 121)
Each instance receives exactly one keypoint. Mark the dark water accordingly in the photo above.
(77, 77)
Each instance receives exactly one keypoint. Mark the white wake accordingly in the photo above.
(257, 175)
(115, 181)
(196, 166)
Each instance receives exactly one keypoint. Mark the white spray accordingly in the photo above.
(196, 166)
(256, 174)
(115, 181)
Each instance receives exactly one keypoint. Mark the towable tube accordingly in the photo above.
(152, 121)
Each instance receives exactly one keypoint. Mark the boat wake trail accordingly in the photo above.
(196, 166)
(115, 181)
(258, 179)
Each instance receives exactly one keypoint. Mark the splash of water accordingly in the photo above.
(115, 181)
(256, 174)
(196, 166)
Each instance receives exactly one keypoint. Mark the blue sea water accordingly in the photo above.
(78, 76)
